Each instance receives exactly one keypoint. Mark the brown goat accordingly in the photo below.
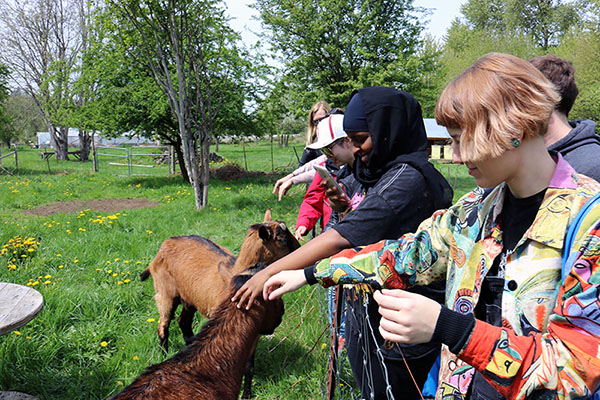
(212, 365)
(196, 272)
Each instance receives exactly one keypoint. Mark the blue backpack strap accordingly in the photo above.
(569, 253)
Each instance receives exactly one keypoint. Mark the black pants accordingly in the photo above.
(361, 347)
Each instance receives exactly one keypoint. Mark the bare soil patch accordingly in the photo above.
(105, 205)
(233, 171)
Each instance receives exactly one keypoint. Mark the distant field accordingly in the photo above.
(97, 330)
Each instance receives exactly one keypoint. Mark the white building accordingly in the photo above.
(43, 139)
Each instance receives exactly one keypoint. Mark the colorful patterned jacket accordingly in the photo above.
(549, 343)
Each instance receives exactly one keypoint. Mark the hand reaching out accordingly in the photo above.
(253, 288)
(283, 282)
(300, 232)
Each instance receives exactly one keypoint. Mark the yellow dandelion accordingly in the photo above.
(82, 229)
(61, 266)
(119, 383)
(75, 260)
(17, 333)
(135, 358)
(115, 274)
(151, 320)
(126, 281)
(120, 283)
(116, 259)
(109, 271)
(47, 282)
(47, 276)
(103, 344)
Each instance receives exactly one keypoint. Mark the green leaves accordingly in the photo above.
(331, 47)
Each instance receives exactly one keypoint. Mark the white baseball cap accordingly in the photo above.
(328, 131)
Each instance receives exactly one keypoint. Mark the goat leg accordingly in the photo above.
(185, 320)
(247, 393)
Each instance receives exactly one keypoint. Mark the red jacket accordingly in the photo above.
(314, 206)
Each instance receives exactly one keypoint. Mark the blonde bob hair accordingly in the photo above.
(497, 99)
(311, 133)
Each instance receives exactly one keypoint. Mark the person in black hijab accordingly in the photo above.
(392, 189)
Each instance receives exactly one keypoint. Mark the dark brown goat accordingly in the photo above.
(212, 365)
(196, 272)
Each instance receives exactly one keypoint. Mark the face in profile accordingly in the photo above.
(363, 146)
(318, 116)
(488, 172)
(340, 152)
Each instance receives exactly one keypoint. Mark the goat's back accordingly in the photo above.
(193, 268)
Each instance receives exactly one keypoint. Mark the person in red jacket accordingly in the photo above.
(335, 144)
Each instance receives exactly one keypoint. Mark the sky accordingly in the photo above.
(443, 12)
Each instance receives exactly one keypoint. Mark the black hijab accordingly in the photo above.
(398, 136)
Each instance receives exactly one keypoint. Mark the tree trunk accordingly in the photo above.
(216, 143)
(59, 138)
(181, 161)
(85, 141)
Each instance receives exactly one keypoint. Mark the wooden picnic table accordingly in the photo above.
(46, 155)
(18, 305)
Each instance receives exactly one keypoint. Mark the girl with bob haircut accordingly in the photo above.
(510, 326)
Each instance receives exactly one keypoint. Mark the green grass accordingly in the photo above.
(97, 330)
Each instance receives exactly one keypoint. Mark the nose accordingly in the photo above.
(456, 159)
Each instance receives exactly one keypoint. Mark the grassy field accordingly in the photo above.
(97, 330)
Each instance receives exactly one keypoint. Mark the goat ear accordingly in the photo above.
(267, 215)
(264, 232)
(225, 271)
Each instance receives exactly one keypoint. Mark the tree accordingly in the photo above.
(545, 22)
(186, 45)
(25, 115)
(7, 132)
(331, 47)
(40, 45)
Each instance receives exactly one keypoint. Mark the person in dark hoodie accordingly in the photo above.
(392, 189)
(576, 141)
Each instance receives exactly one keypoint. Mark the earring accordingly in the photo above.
(515, 142)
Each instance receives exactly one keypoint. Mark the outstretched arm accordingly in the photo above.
(323, 246)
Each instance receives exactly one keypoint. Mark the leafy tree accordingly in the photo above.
(545, 22)
(191, 54)
(40, 44)
(25, 115)
(331, 47)
(7, 133)
(127, 97)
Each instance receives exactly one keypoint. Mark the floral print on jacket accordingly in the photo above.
(549, 343)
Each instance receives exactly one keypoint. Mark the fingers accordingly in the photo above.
(300, 233)
(392, 337)
(282, 283)
(244, 297)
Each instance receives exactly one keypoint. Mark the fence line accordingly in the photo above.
(130, 154)
(16, 154)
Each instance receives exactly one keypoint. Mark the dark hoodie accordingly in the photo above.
(581, 148)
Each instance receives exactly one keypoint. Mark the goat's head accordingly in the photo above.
(269, 241)
(273, 308)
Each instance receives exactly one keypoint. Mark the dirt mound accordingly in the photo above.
(233, 171)
(105, 205)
